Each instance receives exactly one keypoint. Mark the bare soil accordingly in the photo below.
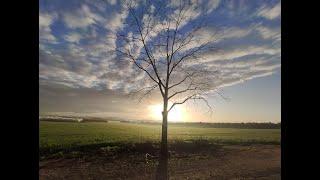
(227, 162)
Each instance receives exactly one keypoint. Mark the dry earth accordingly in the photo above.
(228, 162)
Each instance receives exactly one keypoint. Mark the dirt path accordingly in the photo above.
(229, 162)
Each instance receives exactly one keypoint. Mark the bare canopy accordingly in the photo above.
(160, 44)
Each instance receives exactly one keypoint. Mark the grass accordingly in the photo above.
(62, 136)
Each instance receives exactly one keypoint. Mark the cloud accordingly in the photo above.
(74, 67)
(192, 9)
(269, 33)
(116, 21)
(94, 13)
(73, 37)
(237, 52)
(242, 68)
(83, 61)
(112, 2)
(212, 5)
(45, 22)
(234, 32)
(270, 12)
(81, 17)
(203, 6)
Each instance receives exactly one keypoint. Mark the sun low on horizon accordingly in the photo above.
(176, 114)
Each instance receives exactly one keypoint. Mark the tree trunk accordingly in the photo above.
(164, 137)
(162, 171)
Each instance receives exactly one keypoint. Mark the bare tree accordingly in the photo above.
(160, 44)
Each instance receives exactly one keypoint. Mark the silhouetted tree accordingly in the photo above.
(167, 40)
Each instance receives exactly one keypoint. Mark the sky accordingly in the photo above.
(79, 75)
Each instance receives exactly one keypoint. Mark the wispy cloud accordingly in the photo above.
(270, 12)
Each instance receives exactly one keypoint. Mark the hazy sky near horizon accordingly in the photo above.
(77, 76)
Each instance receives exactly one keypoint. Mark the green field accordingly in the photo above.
(66, 135)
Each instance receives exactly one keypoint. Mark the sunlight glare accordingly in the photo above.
(175, 115)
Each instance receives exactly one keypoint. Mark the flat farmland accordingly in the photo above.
(116, 150)
(64, 135)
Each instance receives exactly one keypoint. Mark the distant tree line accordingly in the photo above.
(72, 119)
(252, 125)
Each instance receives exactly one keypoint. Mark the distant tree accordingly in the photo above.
(167, 41)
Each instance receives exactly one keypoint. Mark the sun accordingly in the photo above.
(175, 115)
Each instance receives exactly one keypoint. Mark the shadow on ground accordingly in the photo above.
(200, 159)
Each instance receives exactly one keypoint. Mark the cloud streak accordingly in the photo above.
(270, 12)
